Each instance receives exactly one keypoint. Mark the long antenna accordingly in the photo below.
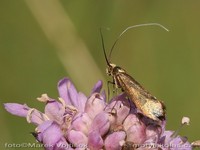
(130, 27)
(104, 51)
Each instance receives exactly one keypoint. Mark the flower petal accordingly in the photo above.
(63, 91)
(17, 109)
(122, 107)
(62, 145)
(36, 117)
(112, 142)
(81, 101)
(94, 105)
(130, 121)
(95, 141)
(97, 87)
(54, 110)
(100, 123)
(77, 138)
(103, 94)
(41, 128)
(67, 91)
(178, 142)
(81, 123)
(52, 135)
(73, 94)
(153, 133)
(136, 133)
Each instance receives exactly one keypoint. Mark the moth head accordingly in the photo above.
(109, 69)
(113, 70)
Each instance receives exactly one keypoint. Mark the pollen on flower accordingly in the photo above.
(28, 118)
(77, 120)
(43, 98)
(186, 120)
(62, 102)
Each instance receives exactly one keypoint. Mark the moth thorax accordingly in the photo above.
(118, 70)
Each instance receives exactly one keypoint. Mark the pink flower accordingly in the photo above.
(79, 122)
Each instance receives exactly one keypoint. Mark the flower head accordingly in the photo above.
(75, 121)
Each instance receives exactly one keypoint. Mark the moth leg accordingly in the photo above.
(108, 83)
(115, 87)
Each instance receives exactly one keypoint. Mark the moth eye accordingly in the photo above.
(108, 71)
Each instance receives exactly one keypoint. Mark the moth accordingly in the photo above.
(146, 103)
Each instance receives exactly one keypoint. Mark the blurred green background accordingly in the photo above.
(43, 41)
